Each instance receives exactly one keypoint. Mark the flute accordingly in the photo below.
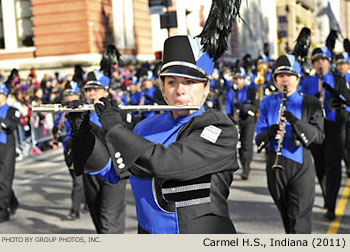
(90, 107)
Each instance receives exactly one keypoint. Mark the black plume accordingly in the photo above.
(302, 45)
(218, 26)
(346, 45)
(330, 41)
(110, 57)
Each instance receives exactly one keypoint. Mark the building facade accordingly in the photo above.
(57, 34)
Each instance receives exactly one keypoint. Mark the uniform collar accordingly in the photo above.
(185, 119)
(292, 97)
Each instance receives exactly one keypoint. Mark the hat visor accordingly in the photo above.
(94, 84)
(286, 71)
(70, 92)
(183, 71)
(320, 56)
(341, 61)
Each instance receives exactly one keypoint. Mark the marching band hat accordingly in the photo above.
(263, 59)
(342, 58)
(320, 53)
(96, 79)
(183, 56)
(239, 73)
(194, 57)
(4, 89)
(286, 64)
(71, 88)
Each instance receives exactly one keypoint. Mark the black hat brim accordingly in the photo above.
(183, 71)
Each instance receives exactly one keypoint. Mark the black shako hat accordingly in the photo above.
(194, 57)
(71, 88)
(320, 53)
(286, 64)
(183, 56)
(342, 58)
(96, 79)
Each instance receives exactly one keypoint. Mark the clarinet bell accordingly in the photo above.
(278, 164)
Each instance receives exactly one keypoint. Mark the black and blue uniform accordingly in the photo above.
(77, 193)
(149, 99)
(9, 118)
(244, 103)
(292, 188)
(346, 156)
(180, 170)
(106, 201)
(268, 86)
(328, 155)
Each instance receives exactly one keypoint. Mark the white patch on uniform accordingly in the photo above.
(128, 117)
(211, 133)
(17, 114)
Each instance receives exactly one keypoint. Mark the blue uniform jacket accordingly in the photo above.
(162, 129)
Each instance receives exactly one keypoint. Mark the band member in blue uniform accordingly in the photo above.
(61, 126)
(263, 76)
(106, 201)
(148, 96)
(342, 61)
(132, 97)
(241, 107)
(180, 163)
(333, 93)
(216, 91)
(9, 118)
(297, 121)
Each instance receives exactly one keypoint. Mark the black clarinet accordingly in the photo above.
(276, 165)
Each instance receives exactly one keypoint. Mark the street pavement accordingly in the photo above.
(42, 185)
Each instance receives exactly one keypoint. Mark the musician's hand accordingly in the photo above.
(328, 87)
(108, 113)
(238, 106)
(336, 103)
(290, 117)
(272, 87)
(79, 121)
(318, 95)
(272, 131)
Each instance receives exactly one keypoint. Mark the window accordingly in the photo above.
(2, 37)
(24, 23)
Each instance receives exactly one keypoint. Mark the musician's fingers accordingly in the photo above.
(99, 107)
(105, 101)
(114, 103)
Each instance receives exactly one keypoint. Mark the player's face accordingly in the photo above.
(94, 94)
(321, 64)
(343, 68)
(183, 91)
(289, 80)
(240, 82)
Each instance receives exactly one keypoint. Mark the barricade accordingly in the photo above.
(40, 135)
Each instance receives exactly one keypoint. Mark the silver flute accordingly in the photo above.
(90, 107)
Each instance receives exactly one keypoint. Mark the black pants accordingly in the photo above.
(7, 172)
(346, 153)
(207, 224)
(77, 193)
(106, 204)
(327, 158)
(246, 131)
(293, 191)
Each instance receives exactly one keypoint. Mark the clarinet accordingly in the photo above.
(276, 165)
(320, 89)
